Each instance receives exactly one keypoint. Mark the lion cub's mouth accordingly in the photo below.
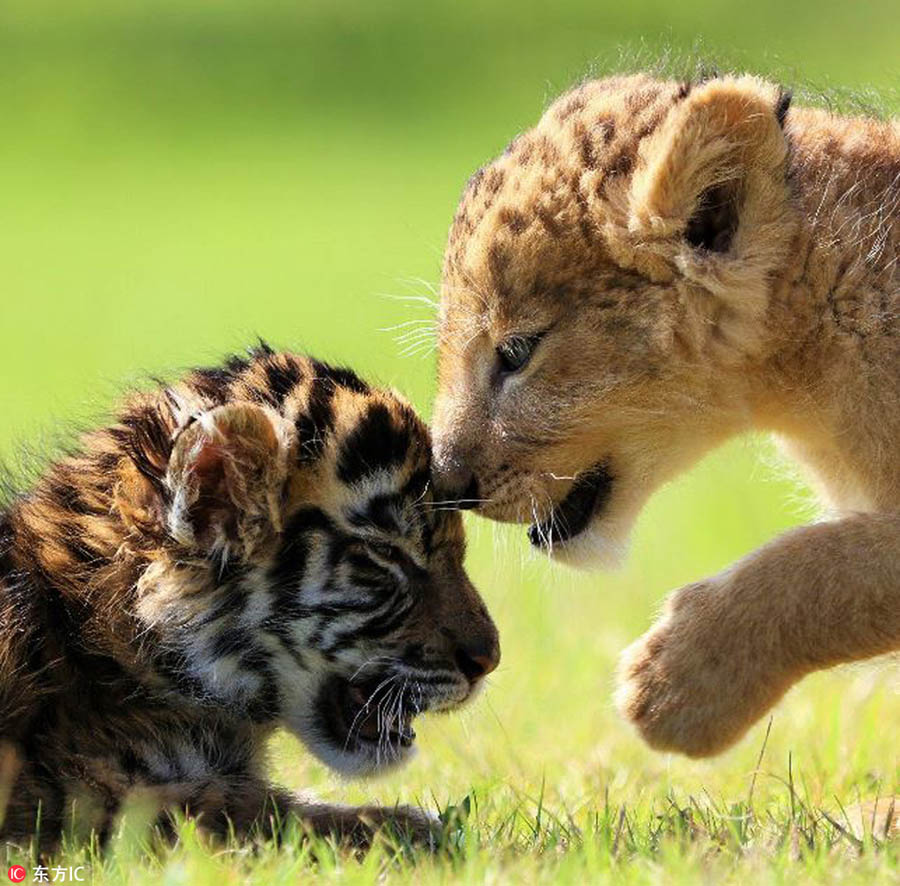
(572, 515)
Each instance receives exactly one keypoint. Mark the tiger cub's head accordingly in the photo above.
(306, 576)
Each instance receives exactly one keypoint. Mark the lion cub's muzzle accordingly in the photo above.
(571, 516)
(556, 515)
(456, 483)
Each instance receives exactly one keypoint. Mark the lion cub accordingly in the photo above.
(656, 267)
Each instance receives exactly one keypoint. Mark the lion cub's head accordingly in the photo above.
(604, 289)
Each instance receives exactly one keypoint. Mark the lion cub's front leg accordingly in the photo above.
(728, 648)
(702, 675)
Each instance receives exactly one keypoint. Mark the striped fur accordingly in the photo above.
(255, 546)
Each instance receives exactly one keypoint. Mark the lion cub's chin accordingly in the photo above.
(602, 545)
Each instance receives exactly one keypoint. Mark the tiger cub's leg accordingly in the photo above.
(247, 805)
(33, 801)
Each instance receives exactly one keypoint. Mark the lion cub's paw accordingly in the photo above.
(688, 684)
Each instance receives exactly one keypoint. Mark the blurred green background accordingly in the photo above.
(179, 176)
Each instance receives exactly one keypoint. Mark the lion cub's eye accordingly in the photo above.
(516, 351)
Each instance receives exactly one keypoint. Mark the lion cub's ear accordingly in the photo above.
(715, 169)
(225, 479)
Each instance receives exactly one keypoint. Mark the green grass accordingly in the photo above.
(178, 177)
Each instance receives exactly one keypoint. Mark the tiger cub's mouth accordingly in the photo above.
(376, 712)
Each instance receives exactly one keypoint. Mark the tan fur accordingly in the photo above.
(698, 261)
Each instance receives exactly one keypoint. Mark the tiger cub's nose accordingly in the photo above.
(477, 658)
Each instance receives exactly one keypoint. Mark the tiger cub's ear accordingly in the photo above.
(226, 476)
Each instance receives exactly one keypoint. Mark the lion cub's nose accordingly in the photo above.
(455, 481)
(468, 498)
(458, 485)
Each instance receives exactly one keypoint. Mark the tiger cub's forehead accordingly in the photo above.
(374, 471)
(365, 453)
(360, 454)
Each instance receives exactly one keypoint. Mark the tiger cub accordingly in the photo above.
(255, 546)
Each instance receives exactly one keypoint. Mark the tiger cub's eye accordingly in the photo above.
(385, 550)
(516, 351)
(397, 556)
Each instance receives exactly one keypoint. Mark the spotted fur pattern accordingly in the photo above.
(254, 546)
(654, 267)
